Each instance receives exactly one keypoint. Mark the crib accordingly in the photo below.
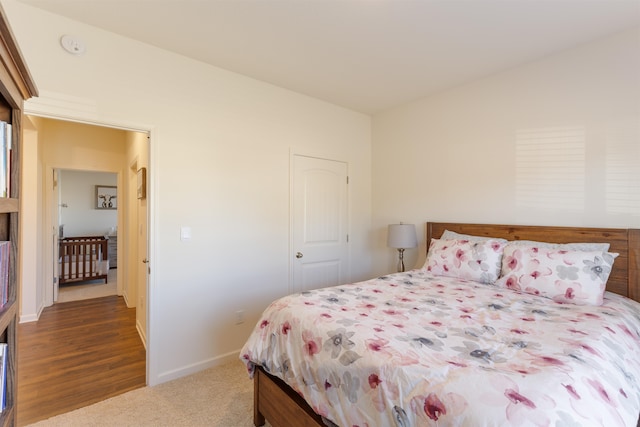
(83, 258)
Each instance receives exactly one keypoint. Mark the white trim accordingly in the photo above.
(232, 356)
(316, 154)
(58, 106)
(29, 318)
(32, 317)
(142, 334)
(49, 274)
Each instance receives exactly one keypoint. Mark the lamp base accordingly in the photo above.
(400, 260)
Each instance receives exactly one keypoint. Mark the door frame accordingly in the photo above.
(51, 223)
(293, 152)
(78, 110)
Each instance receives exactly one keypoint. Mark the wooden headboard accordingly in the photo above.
(625, 276)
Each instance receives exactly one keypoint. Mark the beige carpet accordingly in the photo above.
(220, 397)
(87, 290)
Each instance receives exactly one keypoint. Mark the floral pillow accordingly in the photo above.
(565, 276)
(464, 259)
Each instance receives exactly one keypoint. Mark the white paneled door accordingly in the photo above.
(319, 223)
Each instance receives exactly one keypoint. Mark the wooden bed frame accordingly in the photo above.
(80, 250)
(282, 407)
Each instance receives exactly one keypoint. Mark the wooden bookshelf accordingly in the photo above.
(16, 85)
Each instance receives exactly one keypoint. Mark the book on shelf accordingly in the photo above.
(5, 159)
(5, 250)
(3, 375)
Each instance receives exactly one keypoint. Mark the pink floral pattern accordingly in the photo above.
(413, 349)
(470, 260)
(566, 276)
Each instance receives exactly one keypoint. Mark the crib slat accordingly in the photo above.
(81, 258)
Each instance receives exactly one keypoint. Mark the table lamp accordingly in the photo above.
(402, 236)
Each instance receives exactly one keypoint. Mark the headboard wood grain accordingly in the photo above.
(625, 275)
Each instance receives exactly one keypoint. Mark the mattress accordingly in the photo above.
(412, 349)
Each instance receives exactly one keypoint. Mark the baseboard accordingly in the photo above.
(29, 318)
(126, 300)
(200, 366)
(142, 334)
(26, 318)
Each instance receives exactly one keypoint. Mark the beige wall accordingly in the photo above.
(80, 146)
(219, 163)
(472, 154)
(77, 211)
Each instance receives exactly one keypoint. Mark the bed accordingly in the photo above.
(83, 258)
(451, 351)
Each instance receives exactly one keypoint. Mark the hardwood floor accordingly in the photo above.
(78, 353)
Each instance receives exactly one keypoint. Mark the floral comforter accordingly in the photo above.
(411, 349)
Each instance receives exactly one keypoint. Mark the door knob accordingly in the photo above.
(146, 261)
(299, 255)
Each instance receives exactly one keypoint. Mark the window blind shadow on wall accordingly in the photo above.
(622, 178)
(551, 169)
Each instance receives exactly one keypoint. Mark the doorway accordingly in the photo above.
(87, 204)
(56, 145)
(71, 146)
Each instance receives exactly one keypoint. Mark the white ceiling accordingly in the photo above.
(366, 55)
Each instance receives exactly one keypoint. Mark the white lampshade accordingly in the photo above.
(402, 236)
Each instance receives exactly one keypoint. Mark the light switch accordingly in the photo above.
(185, 233)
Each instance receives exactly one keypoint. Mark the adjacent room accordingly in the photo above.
(280, 142)
(88, 213)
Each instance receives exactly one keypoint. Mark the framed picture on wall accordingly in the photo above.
(142, 183)
(106, 197)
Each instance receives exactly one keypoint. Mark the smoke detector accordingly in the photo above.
(72, 44)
